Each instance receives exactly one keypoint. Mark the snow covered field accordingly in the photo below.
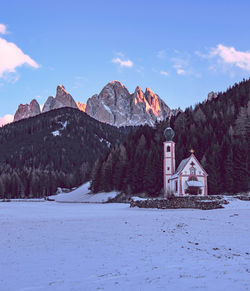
(81, 247)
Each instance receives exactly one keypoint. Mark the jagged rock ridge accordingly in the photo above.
(27, 110)
(116, 106)
(62, 99)
(81, 106)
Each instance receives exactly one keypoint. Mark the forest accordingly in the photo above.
(51, 150)
(218, 130)
(65, 148)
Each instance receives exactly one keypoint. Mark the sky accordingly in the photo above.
(180, 49)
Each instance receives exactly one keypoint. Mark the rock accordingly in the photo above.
(177, 202)
(212, 95)
(116, 106)
(81, 106)
(27, 110)
(49, 104)
(62, 99)
(175, 112)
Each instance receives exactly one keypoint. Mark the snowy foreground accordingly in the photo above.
(59, 246)
(82, 195)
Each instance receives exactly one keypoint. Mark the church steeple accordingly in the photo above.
(169, 158)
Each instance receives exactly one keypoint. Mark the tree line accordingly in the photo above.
(53, 149)
(219, 132)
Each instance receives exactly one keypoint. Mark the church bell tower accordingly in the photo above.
(169, 159)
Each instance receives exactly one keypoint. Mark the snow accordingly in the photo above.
(107, 108)
(64, 246)
(107, 142)
(64, 124)
(136, 198)
(194, 183)
(56, 132)
(82, 194)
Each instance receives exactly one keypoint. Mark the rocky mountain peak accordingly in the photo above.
(81, 106)
(62, 99)
(113, 105)
(138, 94)
(116, 106)
(27, 110)
(60, 90)
(116, 83)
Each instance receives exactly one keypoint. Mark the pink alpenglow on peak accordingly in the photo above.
(81, 106)
(116, 106)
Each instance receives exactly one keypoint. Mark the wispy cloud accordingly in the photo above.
(164, 73)
(123, 63)
(11, 57)
(3, 29)
(161, 54)
(181, 66)
(230, 55)
(8, 118)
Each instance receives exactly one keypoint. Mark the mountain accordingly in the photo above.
(27, 110)
(116, 106)
(218, 130)
(81, 106)
(62, 99)
(53, 149)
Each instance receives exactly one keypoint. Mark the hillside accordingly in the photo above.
(56, 148)
(219, 132)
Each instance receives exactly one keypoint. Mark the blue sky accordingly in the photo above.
(182, 50)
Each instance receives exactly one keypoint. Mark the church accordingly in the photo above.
(189, 179)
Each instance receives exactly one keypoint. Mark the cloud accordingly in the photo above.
(3, 29)
(230, 55)
(181, 66)
(161, 54)
(8, 118)
(123, 63)
(165, 74)
(11, 57)
(180, 70)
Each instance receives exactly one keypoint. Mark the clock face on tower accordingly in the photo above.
(169, 134)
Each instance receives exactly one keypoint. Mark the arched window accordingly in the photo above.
(192, 171)
(176, 186)
(168, 148)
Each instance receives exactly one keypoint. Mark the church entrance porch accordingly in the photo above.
(194, 187)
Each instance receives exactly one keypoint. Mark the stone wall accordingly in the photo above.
(203, 203)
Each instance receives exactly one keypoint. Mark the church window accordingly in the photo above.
(168, 168)
(168, 148)
(192, 171)
(176, 186)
